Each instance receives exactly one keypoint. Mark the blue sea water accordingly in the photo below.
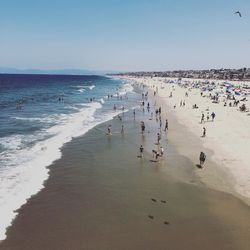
(38, 115)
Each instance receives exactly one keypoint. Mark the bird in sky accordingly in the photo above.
(237, 12)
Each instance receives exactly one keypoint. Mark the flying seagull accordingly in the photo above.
(237, 12)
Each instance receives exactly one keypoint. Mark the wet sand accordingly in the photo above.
(99, 196)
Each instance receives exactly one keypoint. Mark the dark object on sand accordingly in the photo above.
(154, 200)
(151, 217)
(163, 201)
(243, 107)
(153, 160)
(166, 223)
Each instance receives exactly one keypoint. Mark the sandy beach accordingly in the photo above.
(227, 137)
(100, 195)
(125, 125)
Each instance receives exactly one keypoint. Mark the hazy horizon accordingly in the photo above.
(85, 71)
(124, 35)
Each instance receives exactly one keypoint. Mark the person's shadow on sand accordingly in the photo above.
(198, 166)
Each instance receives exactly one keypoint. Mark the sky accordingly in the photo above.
(131, 35)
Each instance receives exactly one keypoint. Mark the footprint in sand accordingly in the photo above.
(151, 217)
(163, 201)
(166, 223)
(154, 200)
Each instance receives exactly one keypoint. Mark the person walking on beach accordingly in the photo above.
(134, 113)
(142, 127)
(119, 117)
(213, 116)
(204, 132)
(152, 115)
(202, 117)
(122, 130)
(166, 125)
(202, 158)
(148, 106)
(155, 155)
(161, 151)
(141, 151)
(158, 138)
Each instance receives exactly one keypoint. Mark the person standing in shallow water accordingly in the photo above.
(109, 130)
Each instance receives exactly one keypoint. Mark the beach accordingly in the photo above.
(227, 138)
(100, 195)
(124, 125)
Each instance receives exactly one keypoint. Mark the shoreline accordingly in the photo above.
(31, 172)
(221, 176)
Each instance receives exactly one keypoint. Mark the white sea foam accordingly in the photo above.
(91, 87)
(25, 169)
(81, 90)
(78, 86)
(126, 88)
(83, 87)
(47, 119)
(102, 101)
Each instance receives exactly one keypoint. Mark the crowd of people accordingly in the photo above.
(155, 114)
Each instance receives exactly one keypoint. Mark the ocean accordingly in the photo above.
(38, 115)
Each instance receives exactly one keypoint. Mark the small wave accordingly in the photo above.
(77, 86)
(81, 90)
(126, 88)
(11, 142)
(49, 119)
(102, 101)
(83, 87)
(91, 87)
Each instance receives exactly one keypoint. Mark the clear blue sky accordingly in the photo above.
(124, 34)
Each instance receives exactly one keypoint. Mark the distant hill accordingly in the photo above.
(54, 72)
